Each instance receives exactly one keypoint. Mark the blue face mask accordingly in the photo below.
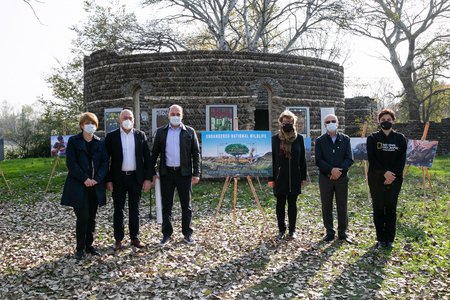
(89, 128)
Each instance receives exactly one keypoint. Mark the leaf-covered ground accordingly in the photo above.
(229, 262)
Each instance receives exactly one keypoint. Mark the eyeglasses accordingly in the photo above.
(332, 121)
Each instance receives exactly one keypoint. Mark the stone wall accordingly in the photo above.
(358, 110)
(195, 79)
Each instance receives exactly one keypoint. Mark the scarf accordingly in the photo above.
(287, 138)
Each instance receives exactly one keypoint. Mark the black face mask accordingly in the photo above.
(386, 125)
(287, 127)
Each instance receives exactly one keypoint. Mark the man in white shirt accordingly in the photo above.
(129, 173)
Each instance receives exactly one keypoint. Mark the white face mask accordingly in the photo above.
(175, 120)
(127, 124)
(331, 127)
(89, 128)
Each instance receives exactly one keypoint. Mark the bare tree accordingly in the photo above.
(407, 29)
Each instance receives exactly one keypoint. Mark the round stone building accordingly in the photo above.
(218, 90)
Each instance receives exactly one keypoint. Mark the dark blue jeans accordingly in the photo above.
(85, 226)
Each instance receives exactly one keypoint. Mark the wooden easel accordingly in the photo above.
(6, 182)
(425, 173)
(222, 196)
(55, 163)
(366, 169)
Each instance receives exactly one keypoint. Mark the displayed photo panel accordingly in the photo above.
(421, 153)
(159, 118)
(220, 117)
(230, 153)
(308, 148)
(58, 144)
(112, 119)
(359, 148)
(2, 149)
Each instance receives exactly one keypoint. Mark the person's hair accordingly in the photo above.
(60, 138)
(287, 114)
(176, 105)
(387, 111)
(88, 117)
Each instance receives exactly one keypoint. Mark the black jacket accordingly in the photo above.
(288, 173)
(78, 162)
(331, 155)
(189, 151)
(386, 153)
(113, 144)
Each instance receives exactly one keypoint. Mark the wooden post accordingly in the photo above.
(55, 163)
(4, 178)
(235, 199)
(224, 190)
(258, 204)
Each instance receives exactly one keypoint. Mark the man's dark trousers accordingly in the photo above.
(183, 184)
(329, 188)
(384, 203)
(128, 185)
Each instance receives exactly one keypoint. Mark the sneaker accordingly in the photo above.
(189, 240)
(280, 236)
(328, 238)
(345, 238)
(292, 235)
(79, 255)
(165, 240)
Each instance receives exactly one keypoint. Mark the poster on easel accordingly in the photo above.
(111, 118)
(58, 144)
(421, 153)
(359, 148)
(2, 149)
(228, 153)
(308, 149)
(160, 117)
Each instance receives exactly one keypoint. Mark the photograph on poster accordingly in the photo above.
(220, 117)
(112, 119)
(159, 118)
(230, 153)
(58, 144)
(302, 114)
(308, 148)
(2, 149)
(359, 148)
(421, 153)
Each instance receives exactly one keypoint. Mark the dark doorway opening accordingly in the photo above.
(262, 119)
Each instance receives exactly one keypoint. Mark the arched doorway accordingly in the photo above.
(262, 113)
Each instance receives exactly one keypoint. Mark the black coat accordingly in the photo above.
(288, 173)
(78, 162)
(331, 155)
(113, 144)
(189, 151)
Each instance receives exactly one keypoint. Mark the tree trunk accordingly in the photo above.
(411, 96)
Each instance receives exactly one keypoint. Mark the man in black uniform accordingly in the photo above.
(386, 151)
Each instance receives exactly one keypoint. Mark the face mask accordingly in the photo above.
(331, 127)
(386, 125)
(127, 124)
(89, 128)
(287, 127)
(175, 120)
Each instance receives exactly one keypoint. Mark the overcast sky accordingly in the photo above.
(29, 50)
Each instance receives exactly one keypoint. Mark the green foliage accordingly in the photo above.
(236, 150)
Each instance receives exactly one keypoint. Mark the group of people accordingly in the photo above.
(386, 150)
(125, 165)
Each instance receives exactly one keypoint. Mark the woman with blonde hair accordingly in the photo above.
(84, 189)
(289, 171)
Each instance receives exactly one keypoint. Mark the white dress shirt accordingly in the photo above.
(173, 147)
(128, 150)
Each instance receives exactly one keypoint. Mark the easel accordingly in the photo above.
(366, 169)
(55, 163)
(6, 182)
(425, 172)
(222, 196)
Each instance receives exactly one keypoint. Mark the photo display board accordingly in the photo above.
(421, 153)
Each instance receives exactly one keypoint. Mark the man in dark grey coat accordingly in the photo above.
(334, 158)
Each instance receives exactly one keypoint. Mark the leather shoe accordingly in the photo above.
(165, 240)
(92, 251)
(346, 238)
(328, 238)
(79, 254)
(118, 246)
(380, 244)
(137, 244)
(292, 235)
